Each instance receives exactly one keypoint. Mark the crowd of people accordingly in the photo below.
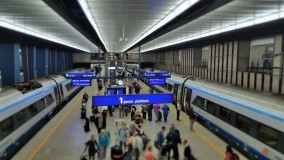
(132, 143)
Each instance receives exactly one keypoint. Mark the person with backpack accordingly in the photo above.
(166, 110)
(123, 134)
(230, 155)
(92, 146)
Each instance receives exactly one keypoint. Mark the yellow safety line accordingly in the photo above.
(203, 137)
(52, 131)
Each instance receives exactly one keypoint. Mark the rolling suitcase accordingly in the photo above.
(116, 153)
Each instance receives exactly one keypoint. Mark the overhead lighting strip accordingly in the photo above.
(28, 31)
(174, 13)
(255, 21)
(86, 9)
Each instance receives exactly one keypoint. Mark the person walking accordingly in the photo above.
(100, 122)
(110, 111)
(178, 107)
(121, 111)
(85, 97)
(166, 110)
(187, 151)
(104, 143)
(144, 111)
(149, 153)
(160, 138)
(123, 134)
(92, 146)
(137, 89)
(191, 118)
(173, 137)
(87, 125)
(156, 111)
(137, 146)
(150, 108)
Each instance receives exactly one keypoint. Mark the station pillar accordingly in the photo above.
(29, 62)
(54, 62)
(59, 61)
(42, 62)
(10, 63)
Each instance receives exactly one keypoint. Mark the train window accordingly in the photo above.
(68, 86)
(225, 114)
(199, 102)
(40, 104)
(49, 100)
(268, 135)
(33, 110)
(6, 127)
(211, 107)
(56, 94)
(21, 117)
(243, 123)
(61, 90)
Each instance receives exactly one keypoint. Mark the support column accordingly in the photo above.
(59, 61)
(10, 65)
(42, 62)
(54, 62)
(71, 61)
(99, 60)
(29, 62)
(139, 58)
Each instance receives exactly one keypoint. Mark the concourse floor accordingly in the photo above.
(63, 137)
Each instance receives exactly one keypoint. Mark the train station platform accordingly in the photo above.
(64, 138)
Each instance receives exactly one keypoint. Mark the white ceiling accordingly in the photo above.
(236, 14)
(137, 17)
(35, 18)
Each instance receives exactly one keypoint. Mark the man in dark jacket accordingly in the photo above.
(187, 151)
(150, 108)
(174, 139)
(100, 122)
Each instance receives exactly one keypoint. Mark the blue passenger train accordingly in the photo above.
(26, 108)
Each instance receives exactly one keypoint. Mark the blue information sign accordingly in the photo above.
(132, 99)
(80, 75)
(110, 92)
(119, 91)
(158, 74)
(81, 82)
(157, 81)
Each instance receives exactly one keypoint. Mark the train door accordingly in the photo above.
(187, 100)
(57, 97)
(61, 92)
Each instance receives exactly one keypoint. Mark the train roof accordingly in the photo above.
(8, 94)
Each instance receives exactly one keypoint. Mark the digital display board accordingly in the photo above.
(80, 75)
(158, 74)
(157, 81)
(111, 92)
(81, 82)
(132, 99)
(119, 91)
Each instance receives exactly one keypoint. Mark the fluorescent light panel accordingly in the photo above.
(255, 21)
(28, 31)
(174, 13)
(86, 9)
